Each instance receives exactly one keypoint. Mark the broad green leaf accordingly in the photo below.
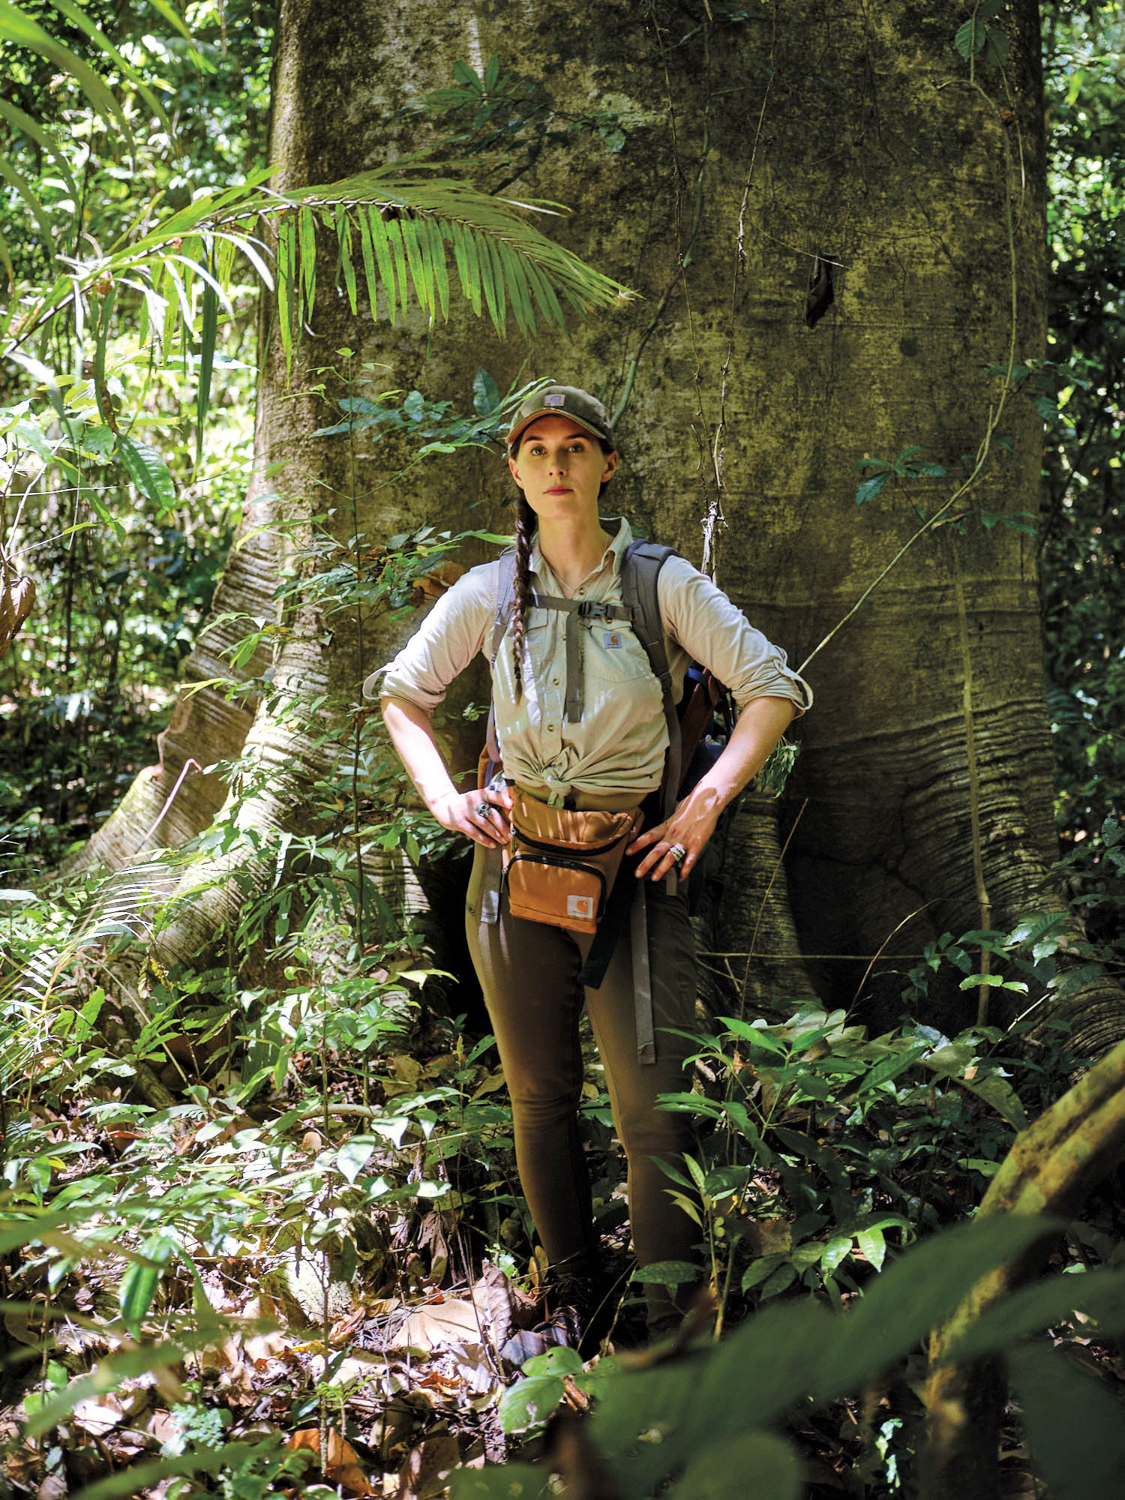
(890, 1067)
(1073, 1425)
(352, 1157)
(914, 1295)
(529, 1402)
(148, 471)
(667, 1273)
(1098, 1294)
(969, 37)
(138, 1288)
(286, 284)
(35, 207)
(501, 1482)
(753, 1463)
(872, 1246)
(209, 328)
(996, 46)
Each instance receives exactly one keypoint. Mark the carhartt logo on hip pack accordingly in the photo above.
(581, 907)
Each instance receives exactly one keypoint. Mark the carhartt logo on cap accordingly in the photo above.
(554, 398)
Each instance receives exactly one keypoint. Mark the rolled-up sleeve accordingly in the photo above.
(444, 644)
(702, 620)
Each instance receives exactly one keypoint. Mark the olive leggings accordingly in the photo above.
(529, 974)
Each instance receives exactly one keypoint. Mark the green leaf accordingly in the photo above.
(369, 271)
(753, 1463)
(398, 251)
(440, 270)
(920, 1290)
(383, 256)
(1098, 1294)
(996, 47)
(510, 1481)
(969, 37)
(529, 1402)
(16, 117)
(1073, 1425)
(306, 242)
(286, 253)
(148, 471)
(352, 1157)
(208, 334)
(18, 28)
(138, 1288)
(872, 487)
(667, 1273)
(872, 1246)
(123, 1364)
(344, 239)
(423, 288)
(835, 1252)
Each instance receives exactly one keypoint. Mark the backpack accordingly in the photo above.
(698, 726)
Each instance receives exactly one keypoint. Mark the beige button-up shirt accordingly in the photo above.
(619, 743)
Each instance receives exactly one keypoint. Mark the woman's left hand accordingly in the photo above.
(689, 829)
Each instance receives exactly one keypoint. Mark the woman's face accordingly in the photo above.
(560, 467)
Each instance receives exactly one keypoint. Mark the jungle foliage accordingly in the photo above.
(235, 1217)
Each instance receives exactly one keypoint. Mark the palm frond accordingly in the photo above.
(17, 27)
(393, 235)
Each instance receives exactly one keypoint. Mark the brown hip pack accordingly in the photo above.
(560, 865)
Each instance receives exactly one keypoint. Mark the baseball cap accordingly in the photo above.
(563, 401)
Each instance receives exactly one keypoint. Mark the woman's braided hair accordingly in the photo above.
(526, 523)
(525, 534)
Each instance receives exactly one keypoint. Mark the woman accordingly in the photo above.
(607, 757)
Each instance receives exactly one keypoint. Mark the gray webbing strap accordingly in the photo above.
(490, 886)
(577, 612)
(642, 977)
(639, 590)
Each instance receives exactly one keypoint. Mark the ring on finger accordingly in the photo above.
(678, 853)
(483, 809)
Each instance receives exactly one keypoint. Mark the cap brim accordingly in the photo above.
(553, 411)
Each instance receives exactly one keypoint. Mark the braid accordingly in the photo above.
(525, 530)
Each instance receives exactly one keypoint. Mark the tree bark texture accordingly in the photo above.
(716, 161)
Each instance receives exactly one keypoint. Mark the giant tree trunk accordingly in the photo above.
(710, 161)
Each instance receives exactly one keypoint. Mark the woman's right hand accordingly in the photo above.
(480, 815)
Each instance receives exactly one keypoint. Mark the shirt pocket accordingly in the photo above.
(612, 653)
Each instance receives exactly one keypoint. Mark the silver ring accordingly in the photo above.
(678, 853)
(483, 809)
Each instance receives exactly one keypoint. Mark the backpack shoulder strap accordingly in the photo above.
(505, 605)
(640, 572)
(505, 599)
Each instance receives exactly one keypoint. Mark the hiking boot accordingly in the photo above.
(577, 1313)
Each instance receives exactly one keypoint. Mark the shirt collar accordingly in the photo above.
(621, 534)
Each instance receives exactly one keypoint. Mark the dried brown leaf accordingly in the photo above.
(425, 1474)
(342, 1464)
